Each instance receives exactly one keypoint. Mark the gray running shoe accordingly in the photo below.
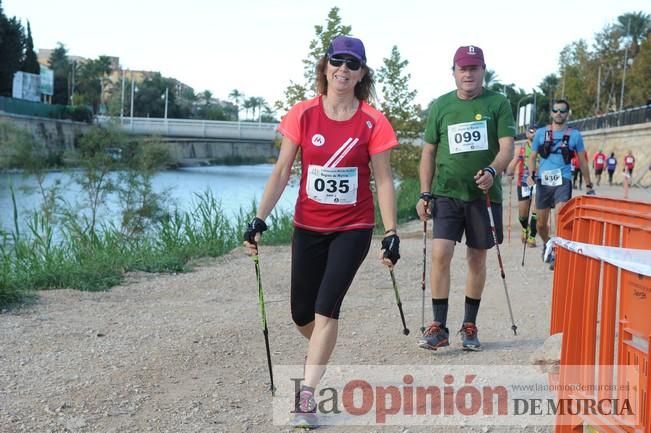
(434, 337)
(304, 411)
(469, 339)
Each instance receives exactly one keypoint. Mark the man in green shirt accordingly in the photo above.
(468, 143)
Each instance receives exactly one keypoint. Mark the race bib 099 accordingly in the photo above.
(468, 137)
(332, 185)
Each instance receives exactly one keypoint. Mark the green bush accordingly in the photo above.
(405, 160)
(407, 195)
(78, 113)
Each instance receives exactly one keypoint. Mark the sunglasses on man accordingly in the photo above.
(558, 111)
(351, 64)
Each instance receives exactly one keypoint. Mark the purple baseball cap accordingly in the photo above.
(347, 45)
(470, 55)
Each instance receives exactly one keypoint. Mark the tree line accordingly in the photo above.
(16, 51)
(97, 84)
(605, 76)
(591, 78)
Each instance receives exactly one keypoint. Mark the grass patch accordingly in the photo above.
(95, 260)
(73, 255)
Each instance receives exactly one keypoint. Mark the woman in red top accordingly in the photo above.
(338, 134)
(629, 164)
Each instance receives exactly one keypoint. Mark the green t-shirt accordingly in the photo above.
(466, 134)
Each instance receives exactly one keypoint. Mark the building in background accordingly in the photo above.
(113, 82)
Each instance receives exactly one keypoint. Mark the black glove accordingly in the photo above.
(255, 226)
(391, 247)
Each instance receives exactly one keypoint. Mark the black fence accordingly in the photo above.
(629, 116)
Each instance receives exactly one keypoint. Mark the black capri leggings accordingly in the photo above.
(323, 268)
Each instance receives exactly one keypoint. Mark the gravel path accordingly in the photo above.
(184, 353)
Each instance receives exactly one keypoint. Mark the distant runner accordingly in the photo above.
(555, 144)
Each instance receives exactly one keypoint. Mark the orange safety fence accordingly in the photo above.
(604, 311)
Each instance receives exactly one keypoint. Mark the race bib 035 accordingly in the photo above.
(332, 185)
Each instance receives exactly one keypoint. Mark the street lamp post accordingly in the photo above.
(621, 96)
(167, 92)
(598, 89)
(122, 99)
(72, 86)
(133, 91)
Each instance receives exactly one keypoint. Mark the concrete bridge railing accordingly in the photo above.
(189, 128)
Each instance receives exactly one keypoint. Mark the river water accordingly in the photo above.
(234, 186)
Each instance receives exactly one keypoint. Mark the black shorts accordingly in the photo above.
(598, 171)
(453, 217)
(548, 196)
(323, 268)
(524, 192)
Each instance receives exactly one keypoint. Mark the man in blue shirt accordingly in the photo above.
(556, 145)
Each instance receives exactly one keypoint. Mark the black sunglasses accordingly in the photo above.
(351, 64)
(559, 111)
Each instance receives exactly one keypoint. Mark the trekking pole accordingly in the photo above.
(263, 316)
(422, 304)
(524, 246)
(402, 315)
(499, 259)
(510, 207)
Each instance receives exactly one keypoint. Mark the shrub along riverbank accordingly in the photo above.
(97, 260)
(65, 246)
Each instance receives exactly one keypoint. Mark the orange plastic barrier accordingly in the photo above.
(603, 311)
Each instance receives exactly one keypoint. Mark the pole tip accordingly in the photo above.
(405, 331)
(515, 330)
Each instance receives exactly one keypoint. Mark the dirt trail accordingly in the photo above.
(184, 353)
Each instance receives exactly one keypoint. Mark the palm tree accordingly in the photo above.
(268, 114)
(207, 97)
(249, 103)
(236, 96)
(260, 103)
(90, 84)
(490, 78)
(635, 25)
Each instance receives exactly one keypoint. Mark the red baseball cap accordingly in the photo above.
(470, 55)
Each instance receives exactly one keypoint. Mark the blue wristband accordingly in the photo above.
(491, 170)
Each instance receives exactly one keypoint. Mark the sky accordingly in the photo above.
(257, 46)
